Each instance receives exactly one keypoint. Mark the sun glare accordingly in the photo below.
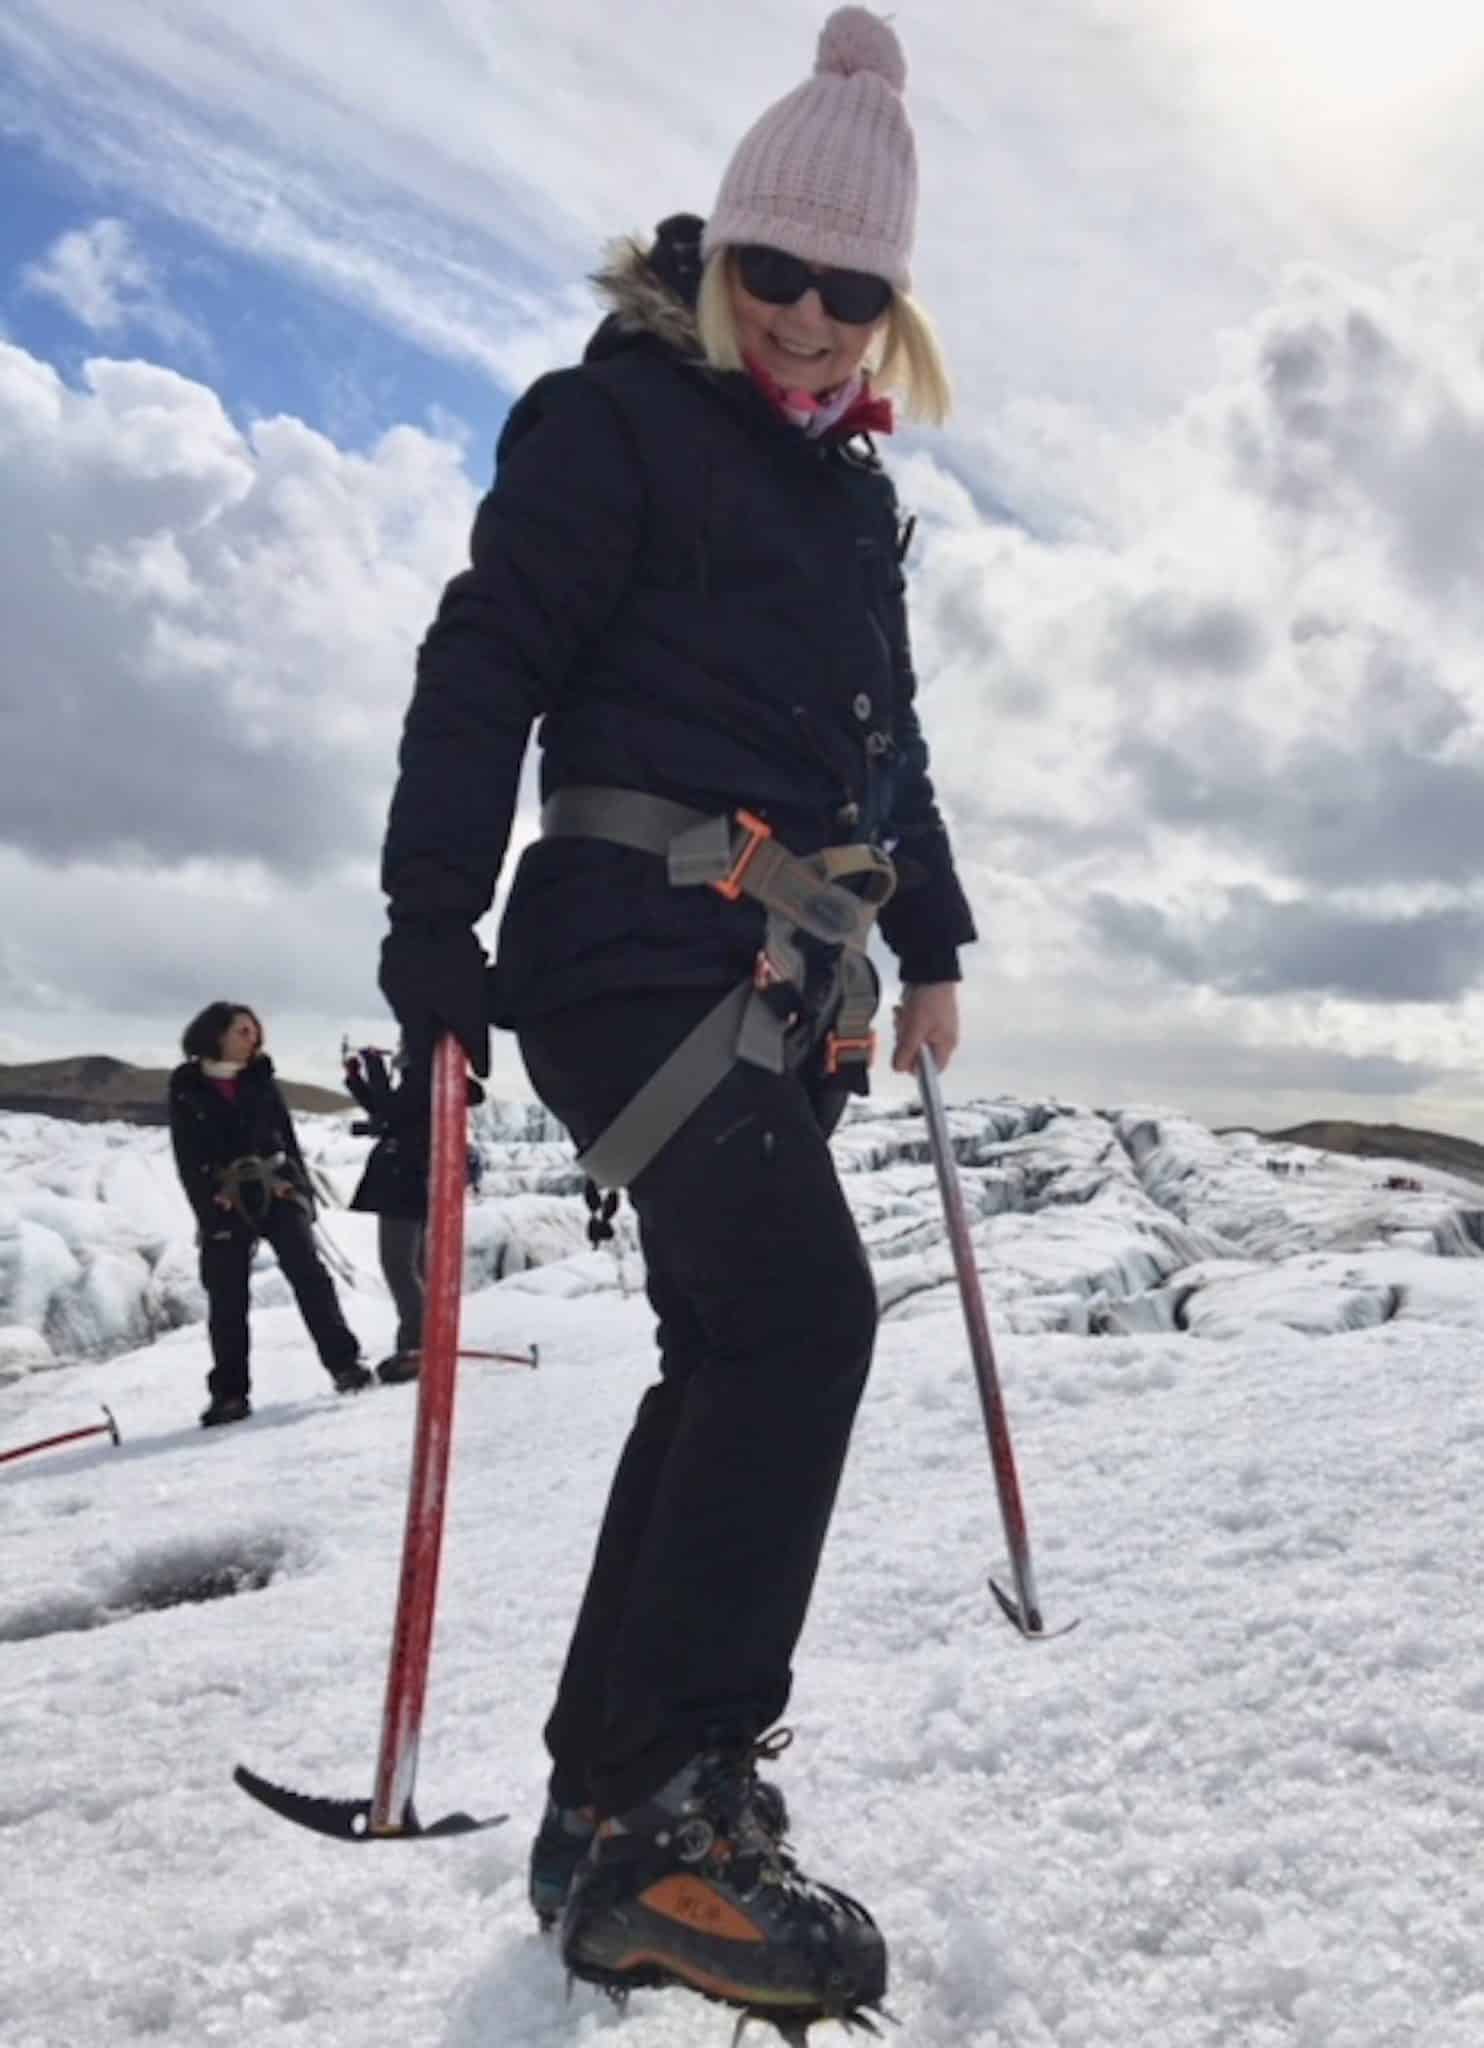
(1360, 56)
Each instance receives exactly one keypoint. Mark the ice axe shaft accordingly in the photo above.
(389, 1814)
(422, 1543)
(1023, 1611)
(68, 1436)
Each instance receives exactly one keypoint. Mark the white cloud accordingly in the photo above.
(93, 272)
(211, 634)
(1218, 762)
(104, 280)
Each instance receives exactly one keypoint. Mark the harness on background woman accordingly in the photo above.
(765, 1020)
(250, 1184)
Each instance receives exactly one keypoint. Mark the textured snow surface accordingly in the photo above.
(1242, 1803)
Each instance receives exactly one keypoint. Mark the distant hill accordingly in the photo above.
(1388, 1141)
(90, 1088)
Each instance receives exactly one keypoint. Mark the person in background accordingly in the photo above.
(244, 1175)
(394, 1189)
(689, 570)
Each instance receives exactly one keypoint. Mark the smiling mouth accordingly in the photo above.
(799, 352)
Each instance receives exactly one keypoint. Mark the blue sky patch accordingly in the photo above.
(263, 340)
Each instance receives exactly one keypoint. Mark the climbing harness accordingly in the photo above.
(811, 969)
(251, 1184)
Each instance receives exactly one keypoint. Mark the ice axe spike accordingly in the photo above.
(349, 1820)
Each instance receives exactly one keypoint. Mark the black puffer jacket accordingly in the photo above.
(395, 1182)
(697, 601)
(208, 1132)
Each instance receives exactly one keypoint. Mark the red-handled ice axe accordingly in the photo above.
(388, 1815)
(1024, 1610)
(68, 1436)
(532, 1357)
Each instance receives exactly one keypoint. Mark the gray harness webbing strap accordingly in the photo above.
(649, 824)
(858, 996)
(622, 1151)
(800, 892)
(698, 849)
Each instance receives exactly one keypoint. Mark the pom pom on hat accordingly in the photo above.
(854, 40)
(829, 173)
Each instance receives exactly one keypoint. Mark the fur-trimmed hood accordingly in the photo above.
(651, 291)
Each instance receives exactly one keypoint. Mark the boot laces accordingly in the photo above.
(727, 1832)
(725, 1791)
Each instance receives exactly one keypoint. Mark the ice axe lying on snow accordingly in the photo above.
(388, 1815)
(1024, 1610)
(530, 1357)
(68, 1436)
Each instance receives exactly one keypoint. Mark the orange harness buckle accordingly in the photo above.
(757, 831)
(836, 1049)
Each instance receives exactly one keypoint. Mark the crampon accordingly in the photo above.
(790, 2023)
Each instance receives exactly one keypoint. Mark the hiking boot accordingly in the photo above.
(216, 1413)
(562, 1840)
(688, 1889)
(402, 1365)
(350, 1379)
(566, 1834)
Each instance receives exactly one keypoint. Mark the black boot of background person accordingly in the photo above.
(217, 1413)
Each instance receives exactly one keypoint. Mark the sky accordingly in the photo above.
(1195, 590)
(1238, 1806)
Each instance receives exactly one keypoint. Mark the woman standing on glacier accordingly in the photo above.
(688, 569)
(239, 1163)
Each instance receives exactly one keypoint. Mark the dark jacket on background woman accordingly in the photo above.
(208, 1131)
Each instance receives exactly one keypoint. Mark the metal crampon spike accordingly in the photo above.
(794, 2031)
(863, 2022)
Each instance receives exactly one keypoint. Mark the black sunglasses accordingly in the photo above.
(778, 279)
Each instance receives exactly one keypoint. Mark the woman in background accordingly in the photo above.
(244, 1176)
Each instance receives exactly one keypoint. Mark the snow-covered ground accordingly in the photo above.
(1243, 1803)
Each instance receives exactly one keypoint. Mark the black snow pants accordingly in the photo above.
(226, 1267)
(708, 1550)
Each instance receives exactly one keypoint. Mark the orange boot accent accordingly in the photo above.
(694, 1903)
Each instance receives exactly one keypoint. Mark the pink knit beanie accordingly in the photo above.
(829, 173)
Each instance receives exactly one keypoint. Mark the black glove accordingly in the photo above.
(432, 974)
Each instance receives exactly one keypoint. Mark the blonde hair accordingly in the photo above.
(905, 356)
